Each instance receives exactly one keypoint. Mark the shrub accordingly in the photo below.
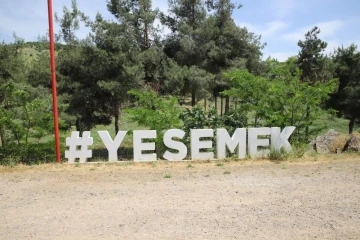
(278, 155)
(156, 113)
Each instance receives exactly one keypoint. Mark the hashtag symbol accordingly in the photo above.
(78, 147)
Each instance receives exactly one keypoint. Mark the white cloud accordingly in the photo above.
(162, 5)
(27, 22)
(334, 44)
(280, 56)
(282, 8)
(267, 30)
(327, 29)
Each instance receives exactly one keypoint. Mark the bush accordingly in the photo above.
(283, 101)
(30, 153)
(234, 119)
(156, 113)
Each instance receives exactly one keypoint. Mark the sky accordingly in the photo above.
(281, 23)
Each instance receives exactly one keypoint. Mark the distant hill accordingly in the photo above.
(41, 46)
(32, 50)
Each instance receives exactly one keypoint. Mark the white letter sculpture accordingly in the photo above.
(254, 142)
(281, 140)
(172, 144)
(139, 146)
(224, 140)
(112, 146)
(196, 144)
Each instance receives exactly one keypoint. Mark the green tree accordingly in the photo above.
(187, 44)
(156, 113)
(69, 23)
(283, 101)
(234, 47)
(10, 71)
(139, 17)
(78, 74)
(209, 39)
(119, 68)
(251, 92)
(347, 99)
(313, 62)
(311, 59)
(25, 109)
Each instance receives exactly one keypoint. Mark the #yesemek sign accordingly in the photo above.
(246, 142)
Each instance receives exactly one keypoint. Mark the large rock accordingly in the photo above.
(353, 144)
(324, 144)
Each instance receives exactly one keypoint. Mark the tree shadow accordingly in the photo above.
(102, 155)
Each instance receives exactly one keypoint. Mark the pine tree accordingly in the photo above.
(347, 98)
(187, 44)
(311, 59)
(234, 47)
(312, 62)
(78, 75)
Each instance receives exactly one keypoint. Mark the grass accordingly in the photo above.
(278, 155)
(219, 164)
(340, 125)
(124, 124)
(29, 54)
(167, 176)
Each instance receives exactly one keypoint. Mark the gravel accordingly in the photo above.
(239, 200)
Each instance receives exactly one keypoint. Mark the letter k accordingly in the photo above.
(279, 140)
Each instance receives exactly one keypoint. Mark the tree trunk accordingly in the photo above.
(215, 99)
(222, 106)
(351, 125)
(78, 126)
(205, 104)
(227, 104)
(193, 97)
(307, 117)
(116, 116)
(2, 136)
(146, 33)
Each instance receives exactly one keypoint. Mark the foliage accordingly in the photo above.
(41, 46)
(25, 113)
(311, 60)
(198, 118)
(314, 64)
(251, 92)
(156, 113)
(205, 37)
(347, 99)
(234, 119)
(283, 101)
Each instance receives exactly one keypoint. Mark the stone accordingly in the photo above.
(323, 143)
(353, 144)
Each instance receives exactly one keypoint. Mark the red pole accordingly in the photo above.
(53, 82)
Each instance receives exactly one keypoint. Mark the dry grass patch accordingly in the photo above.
(338, 143)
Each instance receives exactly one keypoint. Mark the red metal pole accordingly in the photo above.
(53, 82)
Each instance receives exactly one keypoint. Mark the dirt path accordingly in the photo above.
(239, 200)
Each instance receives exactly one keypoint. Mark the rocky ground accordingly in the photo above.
(305, 199)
